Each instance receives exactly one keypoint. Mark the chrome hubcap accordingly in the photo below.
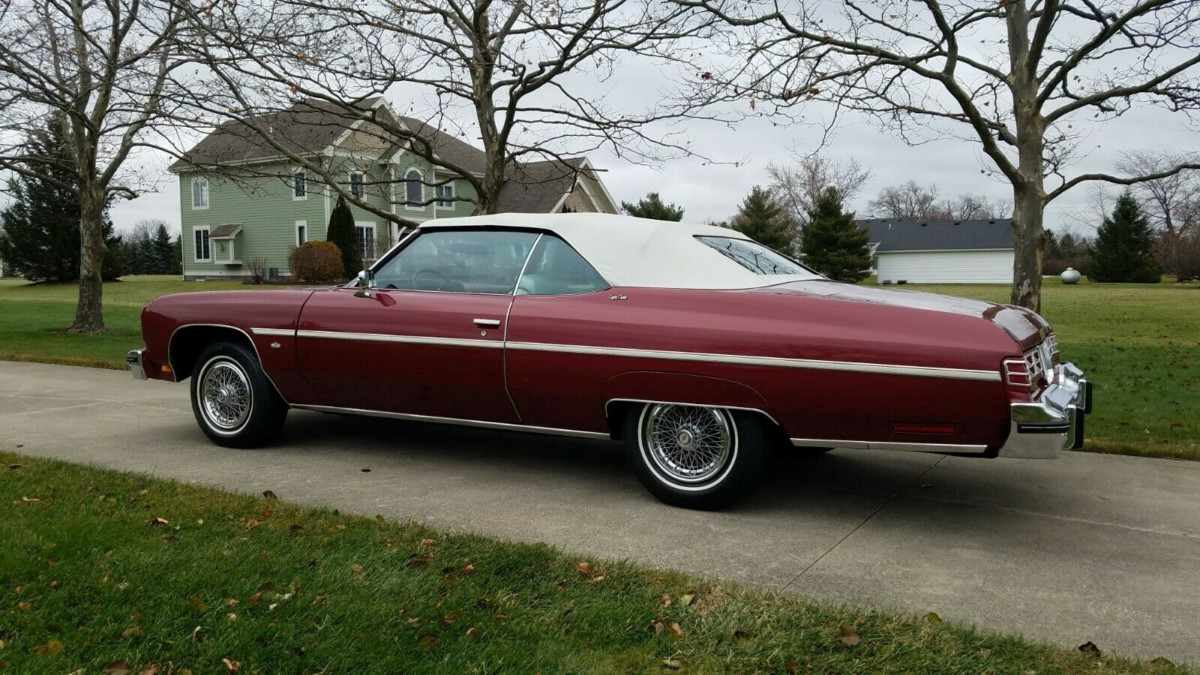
(688, 443)
(225, 395)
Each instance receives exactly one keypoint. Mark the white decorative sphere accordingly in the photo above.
(1069, 276)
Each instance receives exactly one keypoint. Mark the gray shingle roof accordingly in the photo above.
(446, 147)
(536, 187)
(939, 235)
(306, 127)
(225, 231)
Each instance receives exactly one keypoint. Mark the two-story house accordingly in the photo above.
(242, 201)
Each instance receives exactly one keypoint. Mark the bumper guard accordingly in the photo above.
(134, 360)
(1054, 422)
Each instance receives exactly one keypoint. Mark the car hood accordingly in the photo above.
(1025, 326)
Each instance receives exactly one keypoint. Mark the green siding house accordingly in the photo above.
(245, 205)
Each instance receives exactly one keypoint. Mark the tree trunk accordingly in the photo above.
(1029, 244)
(89, 313)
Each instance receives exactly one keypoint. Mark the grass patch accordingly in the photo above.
(100, 566)
(1140, 344)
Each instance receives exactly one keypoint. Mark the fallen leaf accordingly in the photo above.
(195, 636)
(158, 522)
(790, 665)
(595, 580)
(366, 471)
(234, 602)
(357, 569)
(687, 599)
(1089, 647)
(449, 618)
(49, 647)
(469, 569)
(319, 600)
(231, 664)
(933, 618)
(849, 636)
(585, 568)
(295, 527)
(25, 605)
(197, 603)
(427, 640)
(676, 631)
(131, 631)
(672, 664)
(269, 495)
(427, 543)
(658, 625)
(151, 669)
(1162, 661)
(250, 523)
(665, 599)
(118, 667)
(471, 631)
(30, 500)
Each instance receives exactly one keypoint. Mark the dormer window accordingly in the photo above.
(199, 193)
(299, 185)
(358, 184)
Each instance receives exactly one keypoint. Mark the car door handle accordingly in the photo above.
(487, 323)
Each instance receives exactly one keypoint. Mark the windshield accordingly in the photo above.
(754, 256)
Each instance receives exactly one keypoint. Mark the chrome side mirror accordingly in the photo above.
(363, 282)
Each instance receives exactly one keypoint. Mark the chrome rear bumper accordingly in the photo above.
(1053, 423)
(134, 360)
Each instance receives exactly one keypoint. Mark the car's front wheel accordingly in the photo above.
(235, 404)
(697, 457)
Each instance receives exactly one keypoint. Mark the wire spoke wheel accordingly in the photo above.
(226, 395)
(690, 444)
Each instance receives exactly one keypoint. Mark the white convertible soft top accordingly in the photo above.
(630, 251)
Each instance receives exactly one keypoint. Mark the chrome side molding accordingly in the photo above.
(943, 448)
(457, 421)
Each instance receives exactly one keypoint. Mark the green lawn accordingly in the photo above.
(102, 568)
(1139, 344)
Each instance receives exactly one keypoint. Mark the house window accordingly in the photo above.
(358, 184)
(301, 231)
(366, 240)
(414, 192)
(199, 193)
(203, 253)
(299, 185)
(445, 195)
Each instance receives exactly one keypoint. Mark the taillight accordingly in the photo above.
(1016, 374)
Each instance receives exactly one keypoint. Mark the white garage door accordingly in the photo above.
(947, 267)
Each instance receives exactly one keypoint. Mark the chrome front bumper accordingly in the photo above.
(1054, 422)
(134, 360)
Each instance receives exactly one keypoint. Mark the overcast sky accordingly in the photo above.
(713, 192)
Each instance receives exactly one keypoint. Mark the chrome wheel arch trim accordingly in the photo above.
(257, 355)
(760, 411)
(457, 421)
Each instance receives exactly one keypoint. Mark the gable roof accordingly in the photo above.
(892, 234)
(306, 127)
(444, 146)
(538, 187)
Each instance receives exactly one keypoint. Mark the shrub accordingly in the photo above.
(316, 261)
(344, 235)
(257, 270)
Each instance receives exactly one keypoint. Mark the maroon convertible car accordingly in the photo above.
(699, 348)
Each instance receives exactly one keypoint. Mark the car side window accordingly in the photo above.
(458, 261)
(557, 269)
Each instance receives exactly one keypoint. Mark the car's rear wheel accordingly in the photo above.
(697, 457)
(232, 399)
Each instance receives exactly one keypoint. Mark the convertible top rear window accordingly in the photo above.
(754, 256)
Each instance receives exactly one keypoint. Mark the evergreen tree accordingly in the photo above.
(832, 243)
(342, 234)
(652, 206)
(764, 220)
(39, 232)
(164, 250)
(1124, 248)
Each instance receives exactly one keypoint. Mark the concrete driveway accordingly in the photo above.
(1088, 547)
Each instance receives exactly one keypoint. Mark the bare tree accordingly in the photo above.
(104, 67)
(974, 207)
(799, 186)
(532, 78)
(910, 200)
(1019, 78)
(1173, 202)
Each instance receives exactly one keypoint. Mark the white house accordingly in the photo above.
(941, 252)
